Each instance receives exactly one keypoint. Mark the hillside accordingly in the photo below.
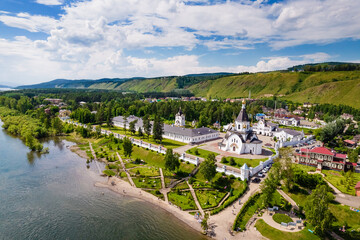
(336, 87)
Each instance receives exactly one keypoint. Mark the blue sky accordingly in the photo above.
(41, 40)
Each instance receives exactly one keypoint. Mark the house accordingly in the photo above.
(240, 138)
(356, 138)
(323, 158)
(287, 121)
(357, 189)
(286, 135)
(180, 134)
(347, 116)
(53, 100)
(217, 125)
(298, 112)
(64, 114)
(259, 116)
(307, 105)
(265, 128)
(349, 143)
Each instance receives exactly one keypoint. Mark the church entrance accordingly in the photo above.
(234, 148)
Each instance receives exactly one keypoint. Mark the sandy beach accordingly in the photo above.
(124, 188)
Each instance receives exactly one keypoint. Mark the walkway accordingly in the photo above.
(195, 199)
(287, 198)
(163, 189)
(270, 221)
(125, 170)
(225, 219)
(94, 155)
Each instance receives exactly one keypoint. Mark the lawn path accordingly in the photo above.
(164, 190)
(94, 155)
(195, 199)
(125, 170)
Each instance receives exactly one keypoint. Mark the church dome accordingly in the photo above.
(243, 116)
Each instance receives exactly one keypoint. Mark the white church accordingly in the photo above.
(240, 138)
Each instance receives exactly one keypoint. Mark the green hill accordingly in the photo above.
(336, 87)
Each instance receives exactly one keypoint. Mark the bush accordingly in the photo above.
(197, 152)
(191, 180)
(279, 218)
(224, 160)
(252, 200)
(232, 161)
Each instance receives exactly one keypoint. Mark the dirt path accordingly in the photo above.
(164, 190)
(195, 199)
(125, 170)
(287, 198)
(94, 155)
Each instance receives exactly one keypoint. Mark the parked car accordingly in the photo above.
(261, 175)
(256, 180)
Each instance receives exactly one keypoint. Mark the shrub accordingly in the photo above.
(197, 152)
(232, 161)
(224, 160)
(191, 180)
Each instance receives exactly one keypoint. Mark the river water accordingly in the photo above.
(52, 196)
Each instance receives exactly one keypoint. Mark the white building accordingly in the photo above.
(288, 135)
(180, 134)
(265, 128)
(180, 119)
(241, 139)
(287, 121)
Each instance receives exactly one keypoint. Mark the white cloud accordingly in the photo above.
(50, 2)
(31, 23)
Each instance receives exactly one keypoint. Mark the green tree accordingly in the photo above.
(171, 160)
(204, 222)
(208, 169)
(132, 126)
(57, 125)
(158, 129)
(287, 170)
(98, 131)
(140, 132)
(147, 125)
(128, 147)
(317, 209)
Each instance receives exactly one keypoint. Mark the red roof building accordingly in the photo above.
(323, 158)
(357, 189)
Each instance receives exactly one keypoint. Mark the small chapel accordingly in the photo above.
(240, 138)
(180, 119)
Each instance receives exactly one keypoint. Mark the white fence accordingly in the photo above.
(243, 174)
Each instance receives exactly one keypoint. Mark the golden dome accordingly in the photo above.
(243, 101)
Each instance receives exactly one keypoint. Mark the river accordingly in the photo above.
(52, 196)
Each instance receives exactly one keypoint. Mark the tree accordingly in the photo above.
(57, 125)
(204, 222)
(158, 129)
(354, 155)
(208, 169)
(98, 131)
(268, 187)
(171, 160)
(128, 147)
(132, 126)
(140, 132)
(287, 170)
(317, 209)
(147, 125)
(125, 123)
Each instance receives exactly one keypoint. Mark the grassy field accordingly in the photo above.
(182, 199)
(305, 168)
(238, 162)
(156, 193)
(280, 218)
(200, 152)
(145, 182)
(167, 143)
(182, 185)
(145, 171)
(275, 234)
(209, 199)
(339, 181)
(346, 217)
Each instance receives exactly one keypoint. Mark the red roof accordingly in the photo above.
(323, 150)
(351, 163)
(349, 141)
(357, 185)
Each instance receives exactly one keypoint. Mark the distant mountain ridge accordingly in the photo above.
(322, 85)
(4, 86)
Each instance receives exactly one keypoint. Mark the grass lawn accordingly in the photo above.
(279, 218)
(200, 152)
(151, 183)
(346, 217)
(247, 211)
(275, 234)
(167, 143)
(184, 200)
(156, 193)
(150, 157)
(209, 199)
(339, 181)
(305, 168)
(109, 172)
(241, 161)
(145, 171)
(182, 185)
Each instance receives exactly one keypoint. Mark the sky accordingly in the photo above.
(42, 40)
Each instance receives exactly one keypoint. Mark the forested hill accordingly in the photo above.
(336, 87)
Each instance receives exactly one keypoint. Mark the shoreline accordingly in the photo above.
(121, 186)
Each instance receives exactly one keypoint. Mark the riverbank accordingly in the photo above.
(124, 188)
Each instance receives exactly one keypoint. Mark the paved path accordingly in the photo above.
(287, 198)
(164, 190)
(125, 170)
(196, 200)
(94, 155)
(270, 221)
(225, 219)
